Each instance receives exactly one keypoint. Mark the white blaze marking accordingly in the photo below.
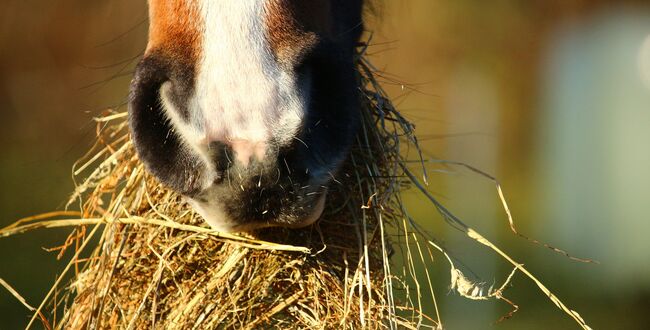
(242, 96)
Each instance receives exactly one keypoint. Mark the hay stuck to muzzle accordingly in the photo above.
(156, 264)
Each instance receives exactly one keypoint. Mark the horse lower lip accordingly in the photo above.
(221, 221)
(319, 207)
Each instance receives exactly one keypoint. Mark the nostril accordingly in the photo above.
(221, 154)
(225, 154)
(157, 143)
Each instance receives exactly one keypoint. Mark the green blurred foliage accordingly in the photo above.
(469, 74)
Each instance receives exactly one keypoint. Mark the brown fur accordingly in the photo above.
(293, 27)
(174, 29)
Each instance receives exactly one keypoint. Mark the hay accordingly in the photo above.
(143, 259)
(156, 264)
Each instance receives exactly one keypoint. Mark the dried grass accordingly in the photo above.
(143, 259)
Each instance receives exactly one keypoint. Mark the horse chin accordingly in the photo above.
(315, 214)
(220, 221)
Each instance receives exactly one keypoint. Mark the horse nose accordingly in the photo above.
(237, 150)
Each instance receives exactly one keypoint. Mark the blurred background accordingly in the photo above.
(552, 97)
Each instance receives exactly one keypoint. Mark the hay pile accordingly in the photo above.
(143, 259)
(158, 265)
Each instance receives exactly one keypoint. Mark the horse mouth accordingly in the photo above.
(242, 214)
(317, 211)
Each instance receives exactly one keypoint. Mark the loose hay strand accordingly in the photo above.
(471, 233)
(61, 277)
(16, 295)
(134, 220)
(506, 209)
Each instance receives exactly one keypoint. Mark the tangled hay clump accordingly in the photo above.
(144, 259)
